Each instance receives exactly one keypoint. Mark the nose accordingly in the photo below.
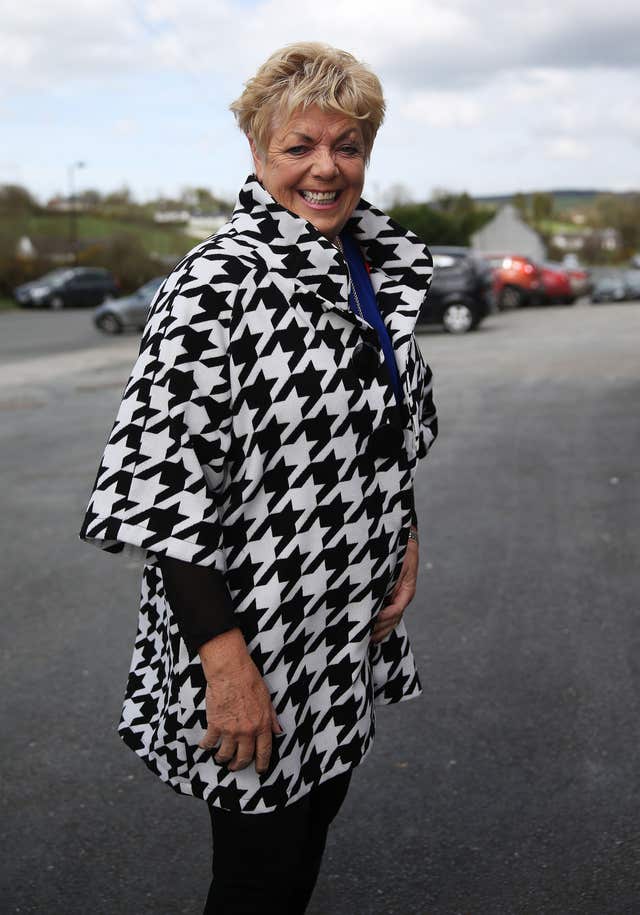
(324, 164)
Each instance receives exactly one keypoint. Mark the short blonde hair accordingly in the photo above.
(304, 74)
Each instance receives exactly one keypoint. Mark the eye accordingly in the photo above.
(297, 150)
(350, 150)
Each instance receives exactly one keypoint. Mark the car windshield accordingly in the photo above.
(151, 287)
(56, 277)
(443, 260)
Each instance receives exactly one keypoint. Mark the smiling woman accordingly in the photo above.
(262, 461)
(310, 143)
(314, 166)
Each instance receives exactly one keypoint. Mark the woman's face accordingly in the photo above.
(314, 166)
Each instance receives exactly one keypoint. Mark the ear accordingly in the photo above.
(257, 161)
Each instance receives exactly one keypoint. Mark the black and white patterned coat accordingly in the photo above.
(245, 440)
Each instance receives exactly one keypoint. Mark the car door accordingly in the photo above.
(71, 291)
(96, 288)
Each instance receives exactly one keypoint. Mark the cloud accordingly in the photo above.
(125, 127)
(474, 87)
(419, 44)
(51, 44)
(566, 148)
(443, 109)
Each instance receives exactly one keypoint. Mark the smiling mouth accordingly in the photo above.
(319, 199)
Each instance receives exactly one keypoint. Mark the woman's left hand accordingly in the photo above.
(401, 596)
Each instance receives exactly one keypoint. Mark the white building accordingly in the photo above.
(508, 233)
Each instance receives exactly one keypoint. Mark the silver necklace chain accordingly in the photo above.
(352, 288)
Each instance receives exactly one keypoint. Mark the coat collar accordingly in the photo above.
(401, 265)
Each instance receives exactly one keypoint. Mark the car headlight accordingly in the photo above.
(38, 292)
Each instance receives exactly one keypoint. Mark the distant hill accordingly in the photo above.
(564, 198)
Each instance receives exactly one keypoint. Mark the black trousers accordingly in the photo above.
(268, 863)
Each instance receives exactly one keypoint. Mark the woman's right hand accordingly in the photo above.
(240, 715)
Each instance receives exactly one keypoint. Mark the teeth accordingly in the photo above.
(325, 197)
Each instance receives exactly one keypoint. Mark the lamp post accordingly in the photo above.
(73, 224)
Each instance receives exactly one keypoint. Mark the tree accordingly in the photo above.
(125, 255)
(16, 200)
(521, 203)
(621, 212)
(201, 198)
(119, 198)
(542, 207)
(450, 220)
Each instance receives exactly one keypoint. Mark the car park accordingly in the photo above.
(461, 292)
(556, 284)
(130, 311)
(517, 280)
(68, 287)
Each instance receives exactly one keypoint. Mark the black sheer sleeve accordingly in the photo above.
(199, 599)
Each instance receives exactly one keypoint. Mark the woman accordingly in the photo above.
(262, 462)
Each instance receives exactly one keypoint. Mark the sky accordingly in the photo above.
(483, 96)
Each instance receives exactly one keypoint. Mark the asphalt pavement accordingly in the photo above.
(511, 787)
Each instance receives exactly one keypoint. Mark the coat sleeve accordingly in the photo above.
(164, 461)
(428, 416)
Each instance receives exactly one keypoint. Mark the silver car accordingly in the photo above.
(130, 311)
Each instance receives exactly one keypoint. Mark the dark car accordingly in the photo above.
(130, 311)
(609, 289)
(68, 287)
(461, 292)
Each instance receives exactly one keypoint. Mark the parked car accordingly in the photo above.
(580, 280)
(517, 280)
(556, 284)
(67, 287)
(461, 292)
(130, 311)
(609, 289)
(632, 284)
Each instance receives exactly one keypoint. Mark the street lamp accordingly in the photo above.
(73, 225)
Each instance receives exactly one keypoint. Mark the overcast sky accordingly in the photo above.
(483, 96)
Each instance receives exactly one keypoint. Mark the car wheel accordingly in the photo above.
(56, 303)
(109, 323)
(510, 298)
(458, 318)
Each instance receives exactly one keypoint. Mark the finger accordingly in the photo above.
(276, 727)
(383, 628)
(244, 754)
(210, 738)
(380, 638)
(401, 600)
(391, 614)
(227, 750)
(380, 630)
(386, 624)
(263, 751)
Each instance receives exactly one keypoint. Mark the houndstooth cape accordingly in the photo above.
(244, 441)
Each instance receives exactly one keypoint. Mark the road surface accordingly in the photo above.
(511, 787)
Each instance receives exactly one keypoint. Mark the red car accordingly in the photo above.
(517, 280)
(557, 285)
(580, 281)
